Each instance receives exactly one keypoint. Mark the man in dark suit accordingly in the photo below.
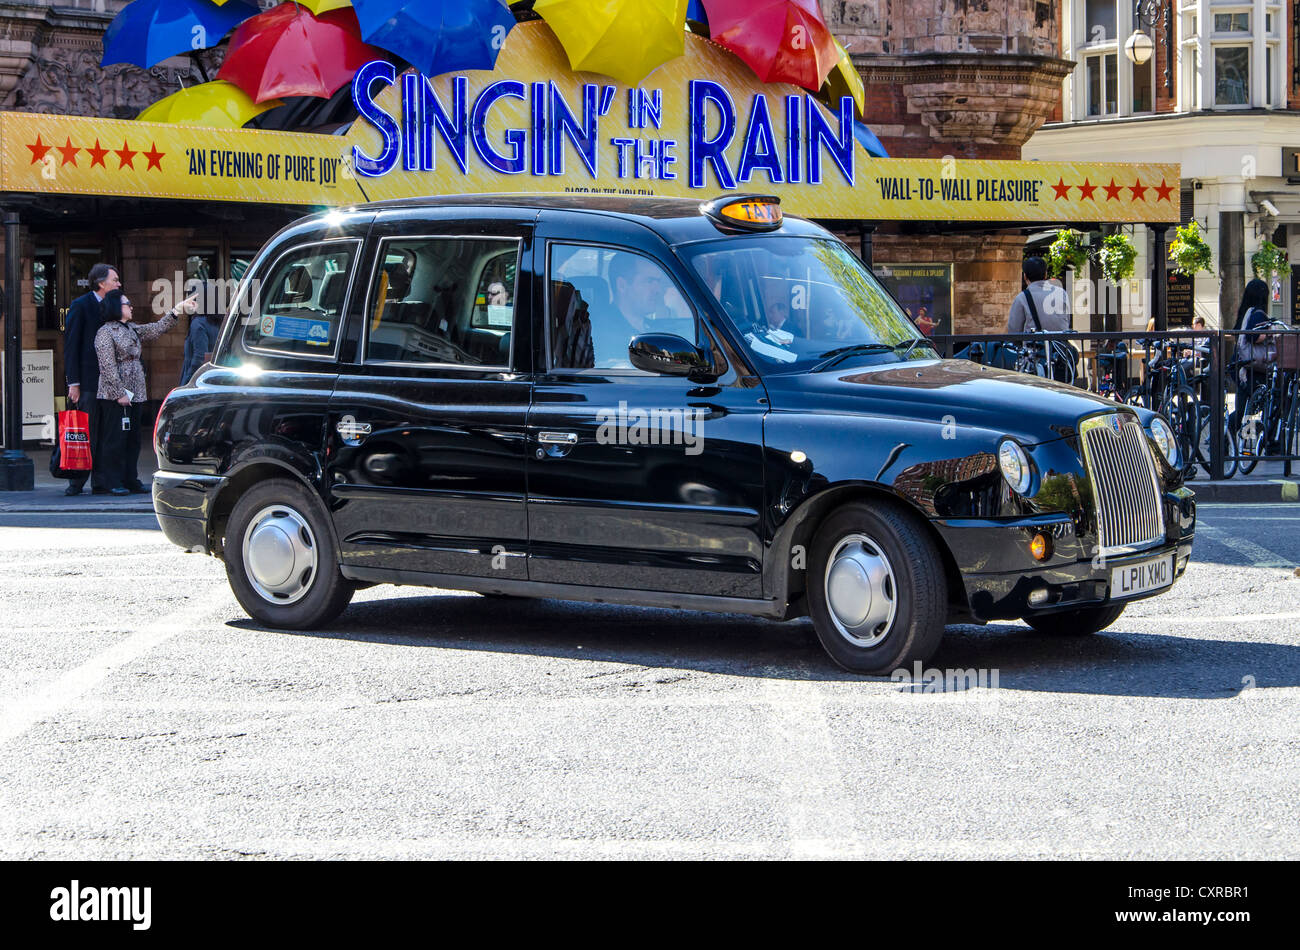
(81, 365)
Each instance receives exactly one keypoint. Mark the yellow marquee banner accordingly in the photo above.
(698, 126)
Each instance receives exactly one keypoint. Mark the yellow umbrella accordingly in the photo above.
(845, 80)
(218, 104)
(625, 39)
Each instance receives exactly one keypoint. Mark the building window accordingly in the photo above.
(1231, 75)
(1107, 83)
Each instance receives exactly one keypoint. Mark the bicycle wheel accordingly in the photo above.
(1203, 446)
(1252, 429)
(1183, 417)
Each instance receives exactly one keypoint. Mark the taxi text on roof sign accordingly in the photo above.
(699, 126)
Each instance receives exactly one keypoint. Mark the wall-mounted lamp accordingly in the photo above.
(1152, 16)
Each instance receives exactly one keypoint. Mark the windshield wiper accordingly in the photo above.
(910, 345)
(831, 357)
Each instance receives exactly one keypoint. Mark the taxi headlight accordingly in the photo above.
(1015, 466)
(1163, 436)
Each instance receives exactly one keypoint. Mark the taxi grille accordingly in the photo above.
(1123, 475)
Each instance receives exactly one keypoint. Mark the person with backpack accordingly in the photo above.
(1044, 307)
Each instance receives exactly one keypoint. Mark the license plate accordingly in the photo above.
(1134, 579)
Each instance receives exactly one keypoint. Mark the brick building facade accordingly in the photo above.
(966, 78)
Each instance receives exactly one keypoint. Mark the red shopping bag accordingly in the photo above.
(74, 441)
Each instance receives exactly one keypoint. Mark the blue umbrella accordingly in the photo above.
(148, 31)
(437, 36)
(867, 139)
(695, 11)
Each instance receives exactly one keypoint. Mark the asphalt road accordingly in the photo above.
(143, 716)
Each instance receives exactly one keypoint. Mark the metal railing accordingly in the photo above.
(1248, 380)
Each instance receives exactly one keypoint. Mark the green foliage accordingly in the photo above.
(1189, 252)
(1066, 251)
(1117, 257)
(1269, 260)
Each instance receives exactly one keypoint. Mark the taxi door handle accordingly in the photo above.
(558, 438)
(353, 431)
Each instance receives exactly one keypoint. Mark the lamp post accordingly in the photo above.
(16, 469)
(1155, 16)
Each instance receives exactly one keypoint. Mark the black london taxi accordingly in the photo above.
(647, 401)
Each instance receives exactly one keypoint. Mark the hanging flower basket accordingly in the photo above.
(1117, 257)
(1270, 260)
(1067, 250)
(1189, 252)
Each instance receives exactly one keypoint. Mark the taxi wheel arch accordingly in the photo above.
(313, 590)
(810, 516)
(879, 559)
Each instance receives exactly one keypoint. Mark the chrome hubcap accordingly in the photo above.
(280, 554)
(860, 590)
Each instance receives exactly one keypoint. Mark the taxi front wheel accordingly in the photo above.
(1081, 622)
(280, 557)
(877, 593)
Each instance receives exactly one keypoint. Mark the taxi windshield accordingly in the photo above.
(805, 304)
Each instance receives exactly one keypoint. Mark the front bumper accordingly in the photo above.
(999, 574)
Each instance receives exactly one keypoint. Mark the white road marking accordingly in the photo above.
(809, 776)
(19, 714)
(1257, 555)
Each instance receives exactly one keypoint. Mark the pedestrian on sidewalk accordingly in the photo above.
(122, 388)
(1253, 348)
(81, 365)
(201, 341)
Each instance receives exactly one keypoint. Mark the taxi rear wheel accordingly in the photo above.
(1077, 623)
(877, 592)
(281, 560)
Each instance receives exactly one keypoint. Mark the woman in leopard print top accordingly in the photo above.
(122, 389)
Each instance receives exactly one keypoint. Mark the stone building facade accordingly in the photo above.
(967, 78)
(49, 63)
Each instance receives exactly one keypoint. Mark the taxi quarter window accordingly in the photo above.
(446, 300)
(601, 297)
(300, 305)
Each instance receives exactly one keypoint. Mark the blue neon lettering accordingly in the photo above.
(511, 163)
(710, 150)
(385, 124)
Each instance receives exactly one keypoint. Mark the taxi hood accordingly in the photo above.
(1033, 410)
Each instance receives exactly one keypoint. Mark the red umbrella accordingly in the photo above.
(781, 40)
(287, 51)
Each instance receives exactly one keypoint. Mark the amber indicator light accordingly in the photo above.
(1041, 547)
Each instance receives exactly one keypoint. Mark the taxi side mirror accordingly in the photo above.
(669, 355)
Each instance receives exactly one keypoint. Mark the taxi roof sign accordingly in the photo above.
(745, 212)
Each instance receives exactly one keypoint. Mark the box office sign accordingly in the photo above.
(37, 394)
(698, 126)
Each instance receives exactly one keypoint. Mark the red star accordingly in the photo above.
(69, 152)
(1139, 190)
(1062, 189)
(1112, 190)
(38, 150)
(1163, 190)
(154, 156)
(125, 157)
(97, 155)
(1086, 190)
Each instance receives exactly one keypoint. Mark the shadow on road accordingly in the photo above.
(1118, 662)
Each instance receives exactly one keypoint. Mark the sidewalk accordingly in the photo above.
(48, 495)
(1265, 485)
